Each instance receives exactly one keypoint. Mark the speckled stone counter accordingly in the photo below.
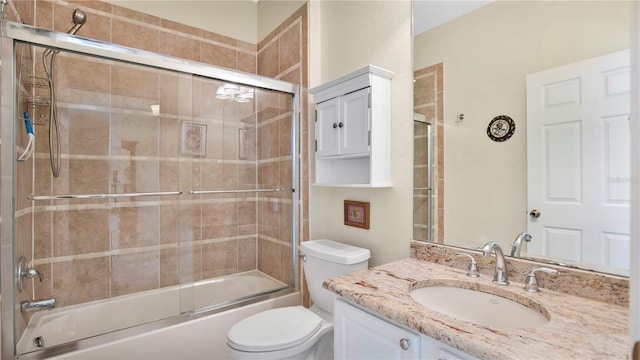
(578, 328)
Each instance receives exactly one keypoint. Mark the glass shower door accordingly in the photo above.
(422, 182)
(243, 162)
(169, 193)
(98, 237)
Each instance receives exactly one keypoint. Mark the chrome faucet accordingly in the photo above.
(23, 272)
(500, 276)
(28, 306)
(531, 282)
(517, 243)
(32, 273)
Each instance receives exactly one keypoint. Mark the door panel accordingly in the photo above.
(327, 132)
(355, 119)
(578, 149)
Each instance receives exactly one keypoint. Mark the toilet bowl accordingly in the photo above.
(295, 332)
(283, 333)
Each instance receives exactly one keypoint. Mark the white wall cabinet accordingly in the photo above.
(342, 125)
(359, 334)
(353, 129)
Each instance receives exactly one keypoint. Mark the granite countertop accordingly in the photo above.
(578, 328)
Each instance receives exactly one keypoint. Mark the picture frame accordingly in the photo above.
(356, 213)
(193, 139)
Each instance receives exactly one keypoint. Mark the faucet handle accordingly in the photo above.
(32, 273)
(23, 272)
(531, 282)
(472, 270)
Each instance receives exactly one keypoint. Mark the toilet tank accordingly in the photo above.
(325, 259)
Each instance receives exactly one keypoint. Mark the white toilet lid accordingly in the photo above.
(274, 329)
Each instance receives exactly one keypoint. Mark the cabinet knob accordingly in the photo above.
(335, 125)
(534, 213)
(340, 125)
(405, 344)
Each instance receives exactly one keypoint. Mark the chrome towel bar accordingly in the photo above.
(205, 192)
(160, 193)
(100, 196)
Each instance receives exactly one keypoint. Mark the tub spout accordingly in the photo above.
(28, 306)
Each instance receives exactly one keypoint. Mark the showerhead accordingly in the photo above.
(79, 18)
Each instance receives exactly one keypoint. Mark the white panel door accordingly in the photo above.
(355, 123)
(578, 154)
(327, 131)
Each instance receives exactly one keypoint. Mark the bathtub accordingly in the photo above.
(72, 323)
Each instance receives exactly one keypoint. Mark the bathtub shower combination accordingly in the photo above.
(138, 190)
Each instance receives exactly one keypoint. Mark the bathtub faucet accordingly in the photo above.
(23, 272)
(36, 305)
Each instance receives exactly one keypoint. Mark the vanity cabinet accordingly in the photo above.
(353, 130)
(359, 334)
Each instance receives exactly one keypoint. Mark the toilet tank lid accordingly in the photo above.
(334, 251)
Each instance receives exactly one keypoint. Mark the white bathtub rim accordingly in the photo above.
(83, 321)
(215, 343)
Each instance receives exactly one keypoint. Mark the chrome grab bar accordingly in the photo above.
(159, 193)
(100, 196)
(205, 192)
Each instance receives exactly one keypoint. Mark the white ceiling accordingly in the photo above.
(428, 14)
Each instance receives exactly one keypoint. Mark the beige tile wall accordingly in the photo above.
(282, 55)
(90, 250)
(428, 101)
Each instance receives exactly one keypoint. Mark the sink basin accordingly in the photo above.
(479, 307)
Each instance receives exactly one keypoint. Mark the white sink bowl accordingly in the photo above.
(479, 307)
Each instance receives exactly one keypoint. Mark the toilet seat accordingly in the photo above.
(274, 329)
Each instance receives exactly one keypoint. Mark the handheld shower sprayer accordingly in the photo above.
(79, 18)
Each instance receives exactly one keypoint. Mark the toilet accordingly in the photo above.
(295, 332)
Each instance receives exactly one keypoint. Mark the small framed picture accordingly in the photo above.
(193, 139)
(356, 213)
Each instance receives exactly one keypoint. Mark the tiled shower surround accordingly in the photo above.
(113, 143)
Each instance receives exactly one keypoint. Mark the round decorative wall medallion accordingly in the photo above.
(501, 128)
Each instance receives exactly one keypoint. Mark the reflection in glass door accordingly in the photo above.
(422, 180)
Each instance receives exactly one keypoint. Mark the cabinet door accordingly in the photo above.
(355, 123)
(434, 349)
(327, 130)
(360, 335)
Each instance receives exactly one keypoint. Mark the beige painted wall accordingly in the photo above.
(272, 13)
(236, 19)
(486, 56)
(355, 34)
(243, 20)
